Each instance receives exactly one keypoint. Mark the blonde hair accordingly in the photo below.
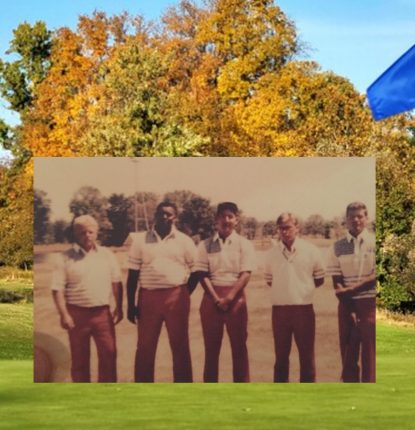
(86, 221)
(286, 217)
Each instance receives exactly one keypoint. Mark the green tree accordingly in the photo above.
(197, 217)
(314, 225)
(269, 229)
(118, 209)
(41, 210)
(18, 79)
(59, 230)
(89, 201)
(248, 226)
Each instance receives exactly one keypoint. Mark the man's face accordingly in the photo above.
(356, 221)
(288, 231)
(165, 218)
(226, 221)
(85, 236)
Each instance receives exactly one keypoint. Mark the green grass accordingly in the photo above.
(16, 323)
(388, 404)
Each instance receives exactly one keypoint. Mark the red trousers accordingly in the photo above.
(297, 321)
(172, 306)
(357, 338)
(95, 322)
(235, 319)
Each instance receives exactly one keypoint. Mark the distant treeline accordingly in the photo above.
(118, 215)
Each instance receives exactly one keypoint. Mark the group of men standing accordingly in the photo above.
(164, 267)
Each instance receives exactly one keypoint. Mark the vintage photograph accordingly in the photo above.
(204, 269)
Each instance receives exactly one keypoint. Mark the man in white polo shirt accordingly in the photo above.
(352, 266)
(293, 269)
(224, 264)
(83, 279)
(160, 262)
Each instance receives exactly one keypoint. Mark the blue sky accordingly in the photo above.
(357, 39)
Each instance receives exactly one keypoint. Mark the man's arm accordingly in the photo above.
(132, 285)
(117, 314)
(351, 290)
(318, 282)
(193, 281)
(59, 299)
(236, 288)
(207, 285)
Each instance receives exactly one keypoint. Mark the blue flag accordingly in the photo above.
(394, 91)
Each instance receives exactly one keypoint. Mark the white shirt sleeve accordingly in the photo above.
(115, 267)
(58, 281)
(202, 261)
(319, 269)
(333, 263)
(135, 255)
(190, 254)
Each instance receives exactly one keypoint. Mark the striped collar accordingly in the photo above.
(361, 238)
(289, 255)
(229, 239)
(153, 236)
(78, 249)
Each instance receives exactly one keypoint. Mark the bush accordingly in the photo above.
(14, 294)
(396, 271)
(391, 293)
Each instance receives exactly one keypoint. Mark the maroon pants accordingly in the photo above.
(95, 322)
(236, 321)
(172, 306)
(297, 321)
(357, 338)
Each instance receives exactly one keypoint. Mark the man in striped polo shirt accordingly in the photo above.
(83, 280)
(352, 266)
(160, 261)
(293, 269)
(224, 264)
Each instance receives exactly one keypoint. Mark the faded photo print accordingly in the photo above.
(204, 270)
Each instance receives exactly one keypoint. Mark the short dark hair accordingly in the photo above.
(356, 206)
(227, 206)
(285, 217)
(167, 204)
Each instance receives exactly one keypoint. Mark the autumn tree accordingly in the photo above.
(252, 39)
(16, 212)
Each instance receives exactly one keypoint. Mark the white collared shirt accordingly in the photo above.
(354, 260)
(292, 273)
(225, 260)
(86, 277)
(163, 263)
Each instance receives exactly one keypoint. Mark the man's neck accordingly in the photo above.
(356, 235)
(223, 237)
(163, 232)
(289, 245)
